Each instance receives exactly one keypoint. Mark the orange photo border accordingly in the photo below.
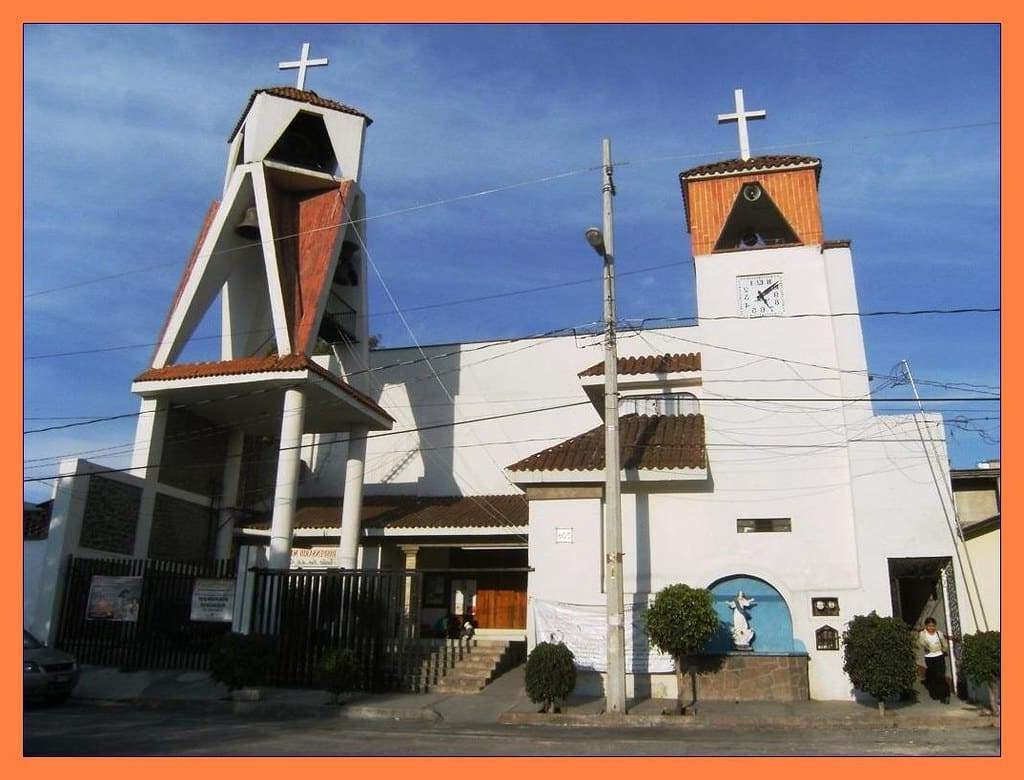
(313, 11)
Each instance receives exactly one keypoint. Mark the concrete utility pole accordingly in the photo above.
(615, 685)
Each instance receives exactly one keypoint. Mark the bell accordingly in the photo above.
(249, 227)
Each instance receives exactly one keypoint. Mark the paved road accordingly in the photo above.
(90, 730)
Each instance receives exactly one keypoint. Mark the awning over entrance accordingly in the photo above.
(247, 393)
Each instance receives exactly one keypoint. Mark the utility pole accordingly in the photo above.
(615, 685)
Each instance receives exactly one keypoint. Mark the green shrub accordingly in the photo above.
(878, 655)
(241, 660)
(680, 622)
(982, 663)
(550, 675)
(339, 671)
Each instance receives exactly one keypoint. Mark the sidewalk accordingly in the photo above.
(504, 702)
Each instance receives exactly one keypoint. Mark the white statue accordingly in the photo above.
(742, 633)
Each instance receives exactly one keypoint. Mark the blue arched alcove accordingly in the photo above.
(769, 617)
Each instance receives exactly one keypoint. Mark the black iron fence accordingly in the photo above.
(372, 613)
(139, 614)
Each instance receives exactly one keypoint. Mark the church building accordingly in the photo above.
(752, 462)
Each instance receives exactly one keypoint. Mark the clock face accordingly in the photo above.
(760, 295)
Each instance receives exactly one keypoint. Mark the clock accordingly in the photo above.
(760, 295)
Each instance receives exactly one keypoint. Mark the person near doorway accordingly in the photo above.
(935, 647)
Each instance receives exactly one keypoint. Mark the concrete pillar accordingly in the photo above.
(149, 447)
(352, 501)
(69, 496)
(229, 494)
(286, 486)
(411, 593)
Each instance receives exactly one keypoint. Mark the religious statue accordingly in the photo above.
(742, 633)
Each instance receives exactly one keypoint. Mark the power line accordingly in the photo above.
(505, 188)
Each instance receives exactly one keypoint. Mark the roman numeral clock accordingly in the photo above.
(760, 295)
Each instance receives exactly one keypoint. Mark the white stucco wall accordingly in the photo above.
(790, 433)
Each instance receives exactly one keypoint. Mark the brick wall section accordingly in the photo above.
(794, 192)
(753, 678)
(111, 516)
(181, 530)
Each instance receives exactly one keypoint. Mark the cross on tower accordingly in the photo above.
(302, 63)
(740, 118)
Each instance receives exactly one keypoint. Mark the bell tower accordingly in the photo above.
(283, 248)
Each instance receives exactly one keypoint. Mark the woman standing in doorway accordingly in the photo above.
(935, 647)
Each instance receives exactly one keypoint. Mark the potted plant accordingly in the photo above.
(550, 675)
(339, 672)
(680, 622)
(982, 663)
(241, 662)
(878, 655)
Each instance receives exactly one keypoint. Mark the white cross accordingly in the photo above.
(302, 63)
(740, 118)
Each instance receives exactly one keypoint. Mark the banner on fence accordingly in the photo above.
(114, 598)
(213, 600)
(583, 628)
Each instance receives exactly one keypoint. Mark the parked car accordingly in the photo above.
(49, 673)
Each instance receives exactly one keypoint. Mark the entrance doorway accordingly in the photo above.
(925, 588)
(500, 592)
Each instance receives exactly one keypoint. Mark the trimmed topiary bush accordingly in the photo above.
(878, 655)
(339, 671)
(550, 675)
(982, 663)
(680, 622)
(241, 660)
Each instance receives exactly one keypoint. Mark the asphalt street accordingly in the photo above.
(121, 730)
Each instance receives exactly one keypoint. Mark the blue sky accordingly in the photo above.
(125, 144)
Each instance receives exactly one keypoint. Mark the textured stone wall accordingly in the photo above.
(753, 678)
(181, 530)
(111, 516)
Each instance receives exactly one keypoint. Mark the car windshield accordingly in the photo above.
(31, 643)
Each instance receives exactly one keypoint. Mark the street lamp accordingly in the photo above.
(596, 239)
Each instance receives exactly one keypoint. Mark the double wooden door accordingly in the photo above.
(501, 600)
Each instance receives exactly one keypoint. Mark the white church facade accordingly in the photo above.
(752, 459)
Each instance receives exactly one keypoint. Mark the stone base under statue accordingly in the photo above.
(733, 677)
(749, 676)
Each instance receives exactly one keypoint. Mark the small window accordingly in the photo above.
(671, 404)
(761, 525)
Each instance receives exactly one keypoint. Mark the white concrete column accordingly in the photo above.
(69, 496)
(149, 447)
(286, 487)
(229, 493)
(352, 501)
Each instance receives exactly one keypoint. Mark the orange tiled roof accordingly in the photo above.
(381, 512)
(301, 95)
(764, 163)
(650, 364)
(645, 442)
(256, 365)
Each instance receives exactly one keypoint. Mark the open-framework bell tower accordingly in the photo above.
(284, 252)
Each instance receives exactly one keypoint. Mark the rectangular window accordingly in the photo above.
(763, 525)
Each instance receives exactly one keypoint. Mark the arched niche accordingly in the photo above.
(769, 617)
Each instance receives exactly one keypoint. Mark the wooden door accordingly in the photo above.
(501, 600)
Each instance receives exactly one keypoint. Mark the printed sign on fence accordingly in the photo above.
(213, 600)
(583, 628)
(315, 557)
(114, 598)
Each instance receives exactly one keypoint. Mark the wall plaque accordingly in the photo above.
(563, 536)
(824, 606)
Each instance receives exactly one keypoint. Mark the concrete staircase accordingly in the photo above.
(483, 661)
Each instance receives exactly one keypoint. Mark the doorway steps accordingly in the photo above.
(485, 660)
